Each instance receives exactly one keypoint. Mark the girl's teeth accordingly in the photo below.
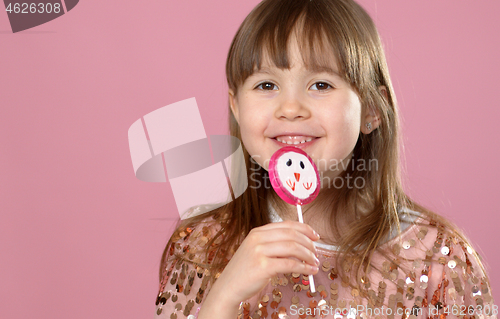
(296, 142)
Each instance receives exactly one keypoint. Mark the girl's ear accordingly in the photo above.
(233, 104)
(371, 118)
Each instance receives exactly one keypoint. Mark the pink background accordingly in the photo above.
(81, 237)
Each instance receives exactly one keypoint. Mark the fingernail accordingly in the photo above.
(317, 261)
(315, 233)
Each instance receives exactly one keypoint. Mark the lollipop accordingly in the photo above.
(295, 178)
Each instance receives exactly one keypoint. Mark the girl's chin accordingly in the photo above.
(257, 159)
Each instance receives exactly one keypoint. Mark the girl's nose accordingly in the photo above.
(291, 109)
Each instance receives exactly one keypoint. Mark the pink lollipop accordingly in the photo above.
(295, 178)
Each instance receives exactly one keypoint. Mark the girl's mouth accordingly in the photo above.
(296, 140)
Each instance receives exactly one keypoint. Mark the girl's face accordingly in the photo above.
(316, 111)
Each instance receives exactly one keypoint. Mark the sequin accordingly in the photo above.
(484, 289)
(452, 264)
(311, 295)
(406, 245)
(282, 311)
(445, 250)
(424, 278)
(174, 278)
(333, 274)
(277, 292)
(274, 304)
(326, 266)
(396, 249)
(283, 281)
(342, 304)
(274, 281)
(475, 291)
(386, 266)
(394, 275)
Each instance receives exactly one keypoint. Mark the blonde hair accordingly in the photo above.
(322, 28)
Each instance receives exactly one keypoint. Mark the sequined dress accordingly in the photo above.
(437, 277)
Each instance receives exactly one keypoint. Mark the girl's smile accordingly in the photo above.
(296, 139)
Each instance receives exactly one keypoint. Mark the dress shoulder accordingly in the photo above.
(188, 243)
(186, 276)
(463, 289)
(431, 271)
(443, 274)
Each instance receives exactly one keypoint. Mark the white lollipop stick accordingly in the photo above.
(295, 178)
(311, 279)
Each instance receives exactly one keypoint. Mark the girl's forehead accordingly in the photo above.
(315, 58)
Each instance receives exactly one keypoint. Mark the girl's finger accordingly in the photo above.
(286, 234)
(287, 265)
(287, 249)
(303, 228)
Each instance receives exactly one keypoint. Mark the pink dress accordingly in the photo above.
(438, 277)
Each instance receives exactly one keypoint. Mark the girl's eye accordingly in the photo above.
(321, 86)
(266, 86)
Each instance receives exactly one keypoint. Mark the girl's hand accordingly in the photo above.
(266, 252)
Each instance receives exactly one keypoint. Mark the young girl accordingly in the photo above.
(313, 74)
